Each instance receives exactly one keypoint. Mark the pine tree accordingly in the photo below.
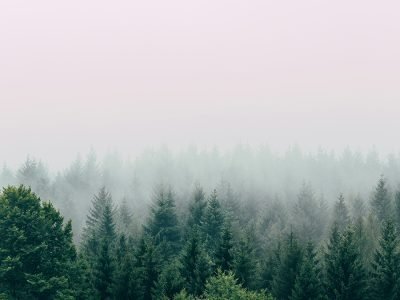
(104, 271)
(213, 224)
(244, 264)
(308, 285)
(197, 209)
(196, 265)
(38, 259)
(224, 254)
(162, 226)
(381, 203)
(341, 214)
(386, 265)
(288, 269)
(344, 271)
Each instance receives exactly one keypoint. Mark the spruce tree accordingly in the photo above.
(197, 209)
(196, 265)
(381, 202)
(244, 263)
(341, 214)
(345, 275)
(386, 265)
(224, 254)
(163, 225)
(308, 284)
(287, 269)
(213, 224)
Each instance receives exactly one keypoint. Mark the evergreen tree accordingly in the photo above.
(213, 224)
(197, 209)
(381, 203)
(170, 281)
(344, 272)
(308, 285)
(244, 264)
(386, 265)
(146, 268)
(287, 269)
(224, 254)
(37, 257)
(340, 214)
(104, 272)
(196, 265)
(162, 226)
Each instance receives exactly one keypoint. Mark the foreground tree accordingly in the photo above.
(37, 256)
(386, 265)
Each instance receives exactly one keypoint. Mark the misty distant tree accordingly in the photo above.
(308, 284)
(162, 225)
(288, 268)
(386, 265)
(124, 219)
(213, 223)
(345, 275)
(197, 208)
(35, 175)
(397, 209)
(358, 209)
(340, 214)
(308, 216)
(381, 203)
(37, 257)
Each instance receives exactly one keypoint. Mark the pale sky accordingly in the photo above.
(126, 75)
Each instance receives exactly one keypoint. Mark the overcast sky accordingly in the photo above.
(130, 74)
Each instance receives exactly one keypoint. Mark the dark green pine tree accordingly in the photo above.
(146, 268)
(213, 224)
(224, 254)
(170, 281)
(244, 263)
(381, 202)
(341, 214)
(104, 272)
(197, 209)
(308, 284)
(288, 269)
(345, 274)
(104, 268)
(37, 256)
(386, 265)
(91, 232)
(196, 265)
(163, 225)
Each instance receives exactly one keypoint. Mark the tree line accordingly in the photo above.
(210, 249)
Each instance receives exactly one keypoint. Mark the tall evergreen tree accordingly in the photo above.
(244, 263)
(288, 269)
(197, 208)
(37, 257)
(344, 271)
(224, 254)
(381, 202)
(386, 265)
(196, 265)
(162, 226)
(341, 214)
(308, 284)
(213, 224)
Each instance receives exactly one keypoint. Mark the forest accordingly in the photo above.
(242, 224)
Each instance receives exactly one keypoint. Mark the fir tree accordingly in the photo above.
(197, 209)
(381, 203)
(344, 271)
(308, 285)
(386, 265)
(196, 265)
(341, 214)
(224, 254)
(287, 269)
(244, 264)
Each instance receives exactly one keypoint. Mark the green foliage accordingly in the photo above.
(224, 286)
(288, 268)
(386, 265)
(224, 254)
(346, 278)
(37, 256)
(244, 263)
(341, 214)
(308, 285)
(213, 224)
(196, 265)
(381, 203)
